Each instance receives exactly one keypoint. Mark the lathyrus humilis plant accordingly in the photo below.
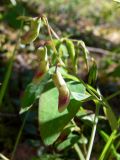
(61, 101)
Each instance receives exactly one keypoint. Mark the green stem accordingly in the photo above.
(113, 95)
(7, 76)
(76, 146)
(118, 145)
(19, 135)
(54, 33)
(49, 32)
(93, 132)
(9, 70)
(79, 152)
(97, 97)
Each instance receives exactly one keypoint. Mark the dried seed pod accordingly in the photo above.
(64, 93)
(33, 33)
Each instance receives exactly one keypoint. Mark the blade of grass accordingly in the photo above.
(112, 149)
(19, 135)
(108, 145)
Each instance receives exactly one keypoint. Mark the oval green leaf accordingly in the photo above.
(52, 122)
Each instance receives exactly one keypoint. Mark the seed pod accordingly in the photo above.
(64, 98)
(33, 33)
(58, 79)
(71, 50)
(44, 64)
(60, 62)
(64, 93)
(93, 73)
(42, 54)
(43, 58)
(85, 52)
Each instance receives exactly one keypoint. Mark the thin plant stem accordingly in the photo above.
(7, 76)
(54, 33)
(76, 146)
(84, 148)
(9, 70)
(113, 95)
(93, 132)
(118, 145)
(49, 32)
(100, 99)
(19, 135)
(79, 152)
(3, 157)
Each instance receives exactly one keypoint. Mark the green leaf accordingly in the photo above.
(64, 74)
(67, 75)
(63, 51)
(52, 122)
(69, 142)
(88, 118)
(80, 96)
(33, 92)
(111, 117)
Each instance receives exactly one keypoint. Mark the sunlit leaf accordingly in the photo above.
(52, 122)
